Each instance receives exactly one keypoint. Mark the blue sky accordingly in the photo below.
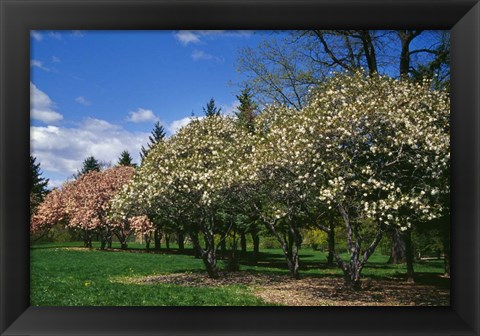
(100, 92)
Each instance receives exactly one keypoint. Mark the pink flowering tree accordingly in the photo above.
(83, 205)
(88, 200)
(48, 213)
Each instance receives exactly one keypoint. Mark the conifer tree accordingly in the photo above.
(38, 184)
(246, 109)
(89, 164)
(158, 134)
(211, 110)
(125, 159)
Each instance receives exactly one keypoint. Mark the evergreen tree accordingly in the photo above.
(125, 159)
(38, 184)
(158, 134)
(246, 109)
(211, 110)
(89, 164)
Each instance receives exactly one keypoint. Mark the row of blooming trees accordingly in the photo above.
(369, 150)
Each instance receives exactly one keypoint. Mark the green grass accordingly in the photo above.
(63, 277)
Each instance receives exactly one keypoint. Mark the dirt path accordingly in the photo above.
(313, 291)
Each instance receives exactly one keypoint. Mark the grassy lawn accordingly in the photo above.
(67, 275)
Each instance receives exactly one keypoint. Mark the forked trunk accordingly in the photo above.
(352, 269)
(208, 255)
(210, 264)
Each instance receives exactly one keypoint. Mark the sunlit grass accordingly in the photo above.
(65, 274)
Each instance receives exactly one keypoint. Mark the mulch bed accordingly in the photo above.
(313, 291)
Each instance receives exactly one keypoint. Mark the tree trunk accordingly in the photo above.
(353, 268)
(181, 241)
(290, 253)
(243, 242)
(232, 264)
(167, 241)
(409, 256)
(223, 247)
(404, 56)
(256, 245)
(210, 262)
(156, 238)
(398, 252)
(208, 255)
(331, 245)
(197, 249)
(147, 241)
(369, 50)
(406, 37)
(87, 239)
(290, 249)
(446, 245)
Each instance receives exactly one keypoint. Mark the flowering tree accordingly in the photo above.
(83, 204)
(188, 179)
(49, 212)
(371, 150)
(87, 202)
(286, 172)
(386, 154)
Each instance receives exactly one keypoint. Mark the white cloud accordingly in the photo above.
(187, 36)
(175, 125)
(55, 183)
(230, 109)
(198, 55)
(82, 100)
(61, 150)
(195, 36)
(55, 59)
(36, 35)
(55, 35)
(141, 115)
(42, 107)
(78, 33)
(38, 64)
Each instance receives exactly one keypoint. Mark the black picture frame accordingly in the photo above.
(18, 17)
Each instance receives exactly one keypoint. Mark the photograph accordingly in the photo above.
(240, 168)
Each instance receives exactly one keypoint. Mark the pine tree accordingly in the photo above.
(158, 134)
(211, 109)
(89, 164)
(125, 159)
(246, 109)
(38, 184)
